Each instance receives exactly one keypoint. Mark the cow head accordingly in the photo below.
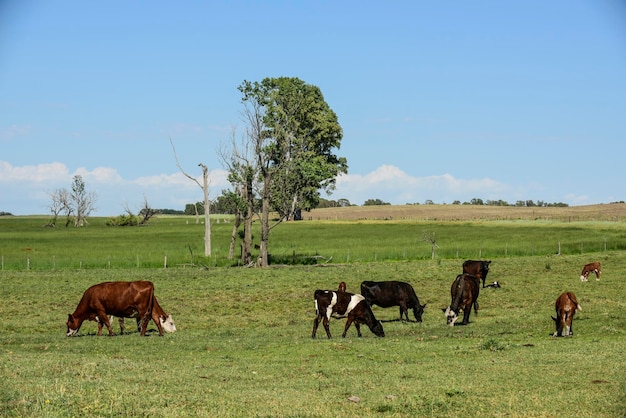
(451, 316)
(167, 322)
(377, 328)
(72, 325)
(418, 312)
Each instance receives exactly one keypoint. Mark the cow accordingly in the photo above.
(341, 305)
(478, 268)
(566, 306)
(590, 268)
(167, 322)
(464, 294)
(121, 299)
(393, 293)
(342, 287)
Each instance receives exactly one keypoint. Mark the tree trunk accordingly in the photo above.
(265, 221)
(207, 212)
(233, 237)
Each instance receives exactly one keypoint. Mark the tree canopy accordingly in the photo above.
(292, 134)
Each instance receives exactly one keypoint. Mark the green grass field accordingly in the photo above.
(244, 348)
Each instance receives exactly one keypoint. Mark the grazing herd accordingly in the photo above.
(136, 299)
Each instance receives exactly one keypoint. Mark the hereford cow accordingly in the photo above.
(588, 269)
(478, 268)
(393, 293)
(340, 305)
(464, 293)
(167, 322)
(342, 287)
(121, 299)
(566, 306)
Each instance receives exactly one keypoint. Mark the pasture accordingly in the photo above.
(244, 348)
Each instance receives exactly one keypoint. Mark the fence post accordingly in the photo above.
(165, 261)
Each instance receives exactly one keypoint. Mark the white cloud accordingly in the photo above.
(391, 184)
(33, 173)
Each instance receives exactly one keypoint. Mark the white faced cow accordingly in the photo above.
(167, 322)
(590, 268)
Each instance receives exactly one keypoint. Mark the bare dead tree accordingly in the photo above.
(57, 205)
(146, 213)
(240, 162)
(207, 203)
(429, 237)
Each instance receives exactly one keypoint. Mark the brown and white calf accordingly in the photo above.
(344, 305)
(566, 306)
(588, 269)
(121, 299)
(167, 322)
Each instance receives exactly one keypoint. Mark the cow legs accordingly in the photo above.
(104, 318)
(466, 315)
(348, 323)
(404, 311)
(316, 323)
(157, 321)
(144, 324)
(597, 275)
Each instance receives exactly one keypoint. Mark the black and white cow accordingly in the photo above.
(344, 305)
(393, 293)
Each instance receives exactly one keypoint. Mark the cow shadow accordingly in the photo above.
(398, 320)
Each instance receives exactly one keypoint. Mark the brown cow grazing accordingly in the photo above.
(393, 293)
(478, 268)
(566, 306)
(167, 322)
(121, 299)
(342, 287)
(341, 305)
(590, 268)
(464, 293)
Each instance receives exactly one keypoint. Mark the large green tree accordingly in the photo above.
(293, 134)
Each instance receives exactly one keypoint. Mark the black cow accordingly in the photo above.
(464, 293)
(478, 268)
(341, 305)
(393, 293)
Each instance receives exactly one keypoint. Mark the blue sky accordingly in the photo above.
(438, 101)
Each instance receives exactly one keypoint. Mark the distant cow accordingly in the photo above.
(464, 294)
(342, 287)
(590, 268)
(478, 268)
(167, 322)
(566, 306)
(393, 293)
(121, 299)
(340, 305)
